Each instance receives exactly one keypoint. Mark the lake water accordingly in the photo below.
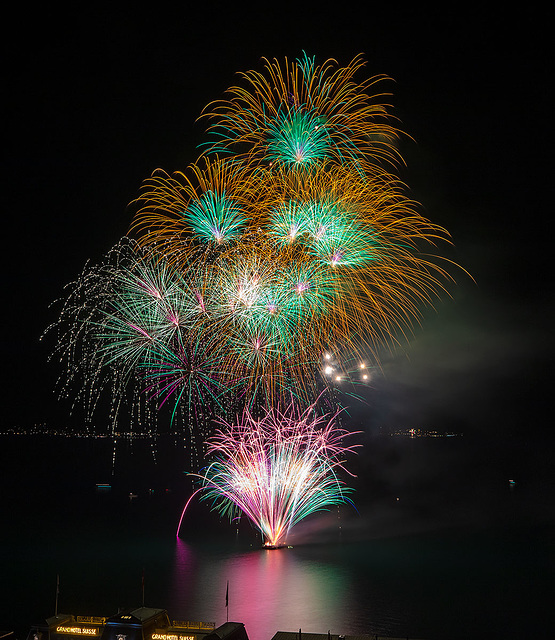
(473, 559)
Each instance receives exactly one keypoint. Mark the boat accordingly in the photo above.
(267, 545)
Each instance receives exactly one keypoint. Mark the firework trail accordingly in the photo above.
(277, 470)
(131, 334)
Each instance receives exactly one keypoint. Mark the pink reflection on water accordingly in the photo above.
(183, 580)
(269, 590)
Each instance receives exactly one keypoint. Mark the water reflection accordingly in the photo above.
(182, 590)
(268, 590)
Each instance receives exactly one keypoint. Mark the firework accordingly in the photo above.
(291, 236)
(276, 470)
(327, 258)
(185, 215)
(131, 326)
(298, 114)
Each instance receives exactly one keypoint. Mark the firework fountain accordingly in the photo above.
(276, 470)
(291, 236)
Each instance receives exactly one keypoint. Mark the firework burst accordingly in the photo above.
(277, 470)
(298, 113)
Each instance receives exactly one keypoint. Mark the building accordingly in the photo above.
(142, 623)
(301, 635)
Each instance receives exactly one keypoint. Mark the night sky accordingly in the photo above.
(98, 99)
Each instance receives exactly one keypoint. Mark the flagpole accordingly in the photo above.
(143, 586)
(57, 592)
(227, 601)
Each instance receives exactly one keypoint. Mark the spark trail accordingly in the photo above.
(277, 470)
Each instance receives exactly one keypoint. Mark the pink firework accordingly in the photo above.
(277, 470)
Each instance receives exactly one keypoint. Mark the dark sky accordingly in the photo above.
(98, 99)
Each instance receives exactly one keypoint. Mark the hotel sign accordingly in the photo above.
(78, 631)
(171, 636)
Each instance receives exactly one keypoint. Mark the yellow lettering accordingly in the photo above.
(79, 631)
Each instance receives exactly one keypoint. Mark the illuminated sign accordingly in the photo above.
(91, 619)
(171, 636)
(193, 625)
(77, 631)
